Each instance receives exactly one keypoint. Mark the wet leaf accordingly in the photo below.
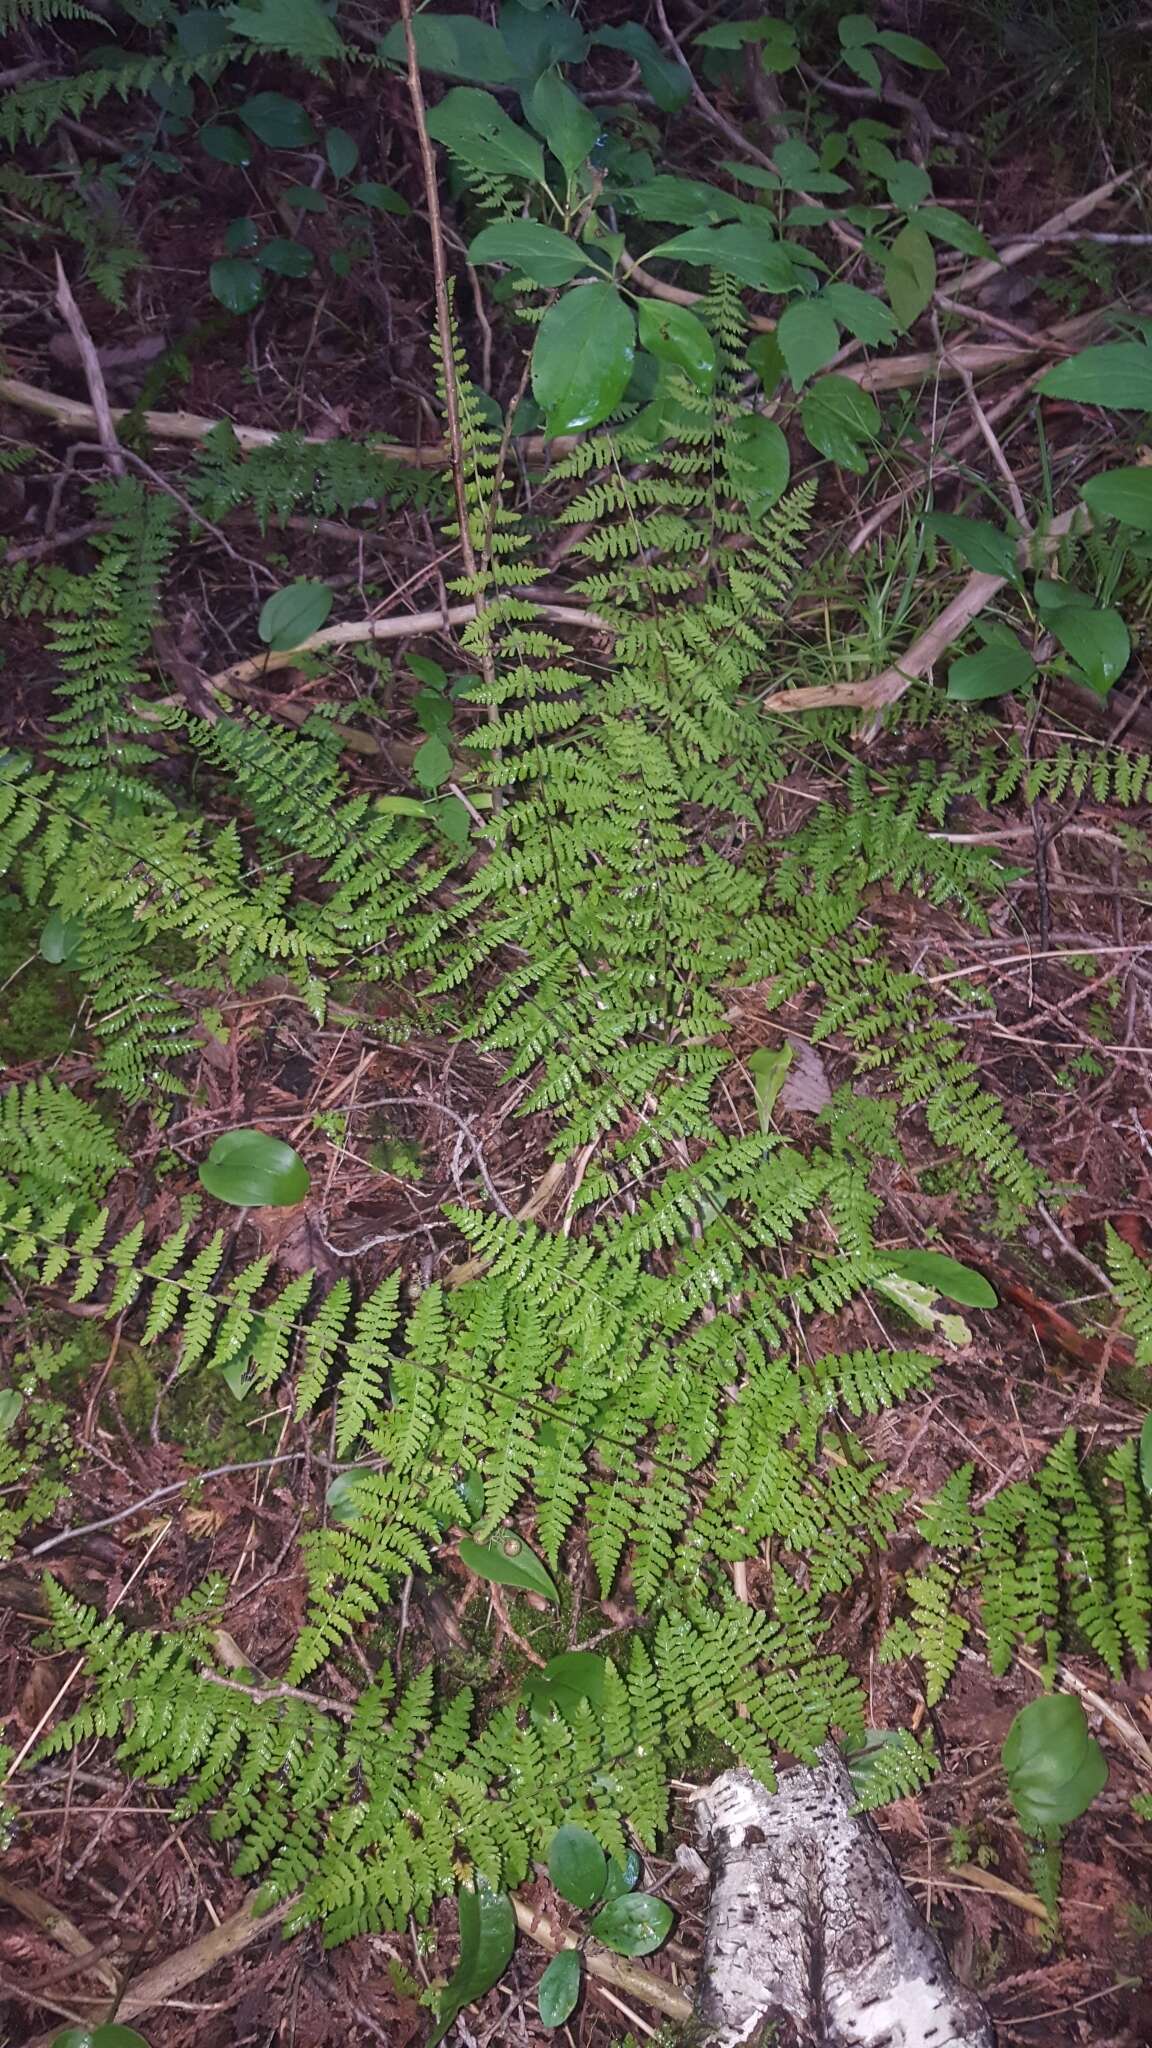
(582, 358)
(633, 1925)
(252, 1170)
(560, 1988)
(577, 1866)
(674, 335)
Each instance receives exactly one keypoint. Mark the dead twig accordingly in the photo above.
(93, 374)
(1068, 216)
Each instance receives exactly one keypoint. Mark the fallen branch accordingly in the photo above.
(809, 1921)
(93, 373)
(890, 684)
(399, 626)
(1067, 217)
(655, 1992)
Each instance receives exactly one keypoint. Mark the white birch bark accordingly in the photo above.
(808, 1921)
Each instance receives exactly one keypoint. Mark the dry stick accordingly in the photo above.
(399, 627)
(1079, 209)
(922, 656)
(987, 434)
(93, 374)
(653, 1991)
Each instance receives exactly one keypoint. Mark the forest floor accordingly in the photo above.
(1062, 1039)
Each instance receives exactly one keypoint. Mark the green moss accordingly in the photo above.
(197, 1412)
(38, 1012)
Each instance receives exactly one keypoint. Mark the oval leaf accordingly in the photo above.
(1049, 1737)
(751, 254)
(342, 151)
(60, 938)
(560, 1988)
(226, 144)
(454, 45)
(945, 1276)
(1124, 494)
(570, 129)
(280, 122)
(1117, 375)
(633, 1925)
(675, 335)
(910, 274)
(981, 544)
(475, 128)
(582, 358)
(10, 1405)
(758, 463)
(506, 1561)
(541, 253)
(110, 2035)
(487, 1937)
(577, 1866)
(292, 614)
(254, 1171)
(997, 670)
(285, 258)
(808, 337)
(344, 1499)
(237, 283)
(838, 418)
(566, 1680)
(1097, 639)
(1058, 1806)
(622, 1877)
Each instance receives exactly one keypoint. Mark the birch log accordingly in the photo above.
(809, 1922)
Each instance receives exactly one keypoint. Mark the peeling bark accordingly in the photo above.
(809, 1922)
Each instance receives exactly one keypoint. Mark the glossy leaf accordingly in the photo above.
(675, 335)
(1097, 639)
(634, 1925)
(838, 418)
(1124, 494)
(984, 546)
(996, 671)
(910, 274)
(285, 258)
(577, 1866)
(570, 129)
(253, 1170)
(565, 1681)
(280, 122)
(622, 1877)
(241, 236)
(60, 938)
(299, 28)
(476, 129)
(759, 462)
(541, 253)
(237, 283)
(506, 1561)
(110, 2035)
(559, 1988)
(455, 45)
(808, 338)
(290, 615)
(582, 358)
(750, 254)
(540, 37)
(225, 143)
(487, 1923)
(945, 1276)
(1116, 375)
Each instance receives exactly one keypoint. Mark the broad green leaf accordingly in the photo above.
(685, 202)
(541, 253)
(285, 258)
(1054, 1765)
(476, 129)
(759, 462)
(342, 151)
(345, 1499)
(800, 170)
(506, 1561)
(910, 274)
(944, 1276)
(634, 1925)
(110, 2035)
(570, 129)
(577, 1866)
(565, 1681)
(582, 358)
(808, 337)
(280, 122)
(779, 50)
(751, 254)
(868, 318)
(946, 225)
(908, 185)
(370, 192)
(236, 282)
(996, 671)
(60, 938)
(909, 49)
(226, 144)
(432, 763)
(300, 28)
(985, 546)
(252, 1170)
(455, 45)
(560, 1988)
(838, 418)
(305, 199)
(1041, 1807)
(291, 615)
(765, 358)
(674, 335)
(622, 1877)
(487, 1922)
(669, 84)
(10, 1405)
(201, 32)
(864, 64)
(1116, 375)
(1146, 1454)
(539, 38)
(1057, 597)
(769, 1070)
(241, 236)
(1097, 639)
(856, 31)
(918, 1303)
(1124, 494)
